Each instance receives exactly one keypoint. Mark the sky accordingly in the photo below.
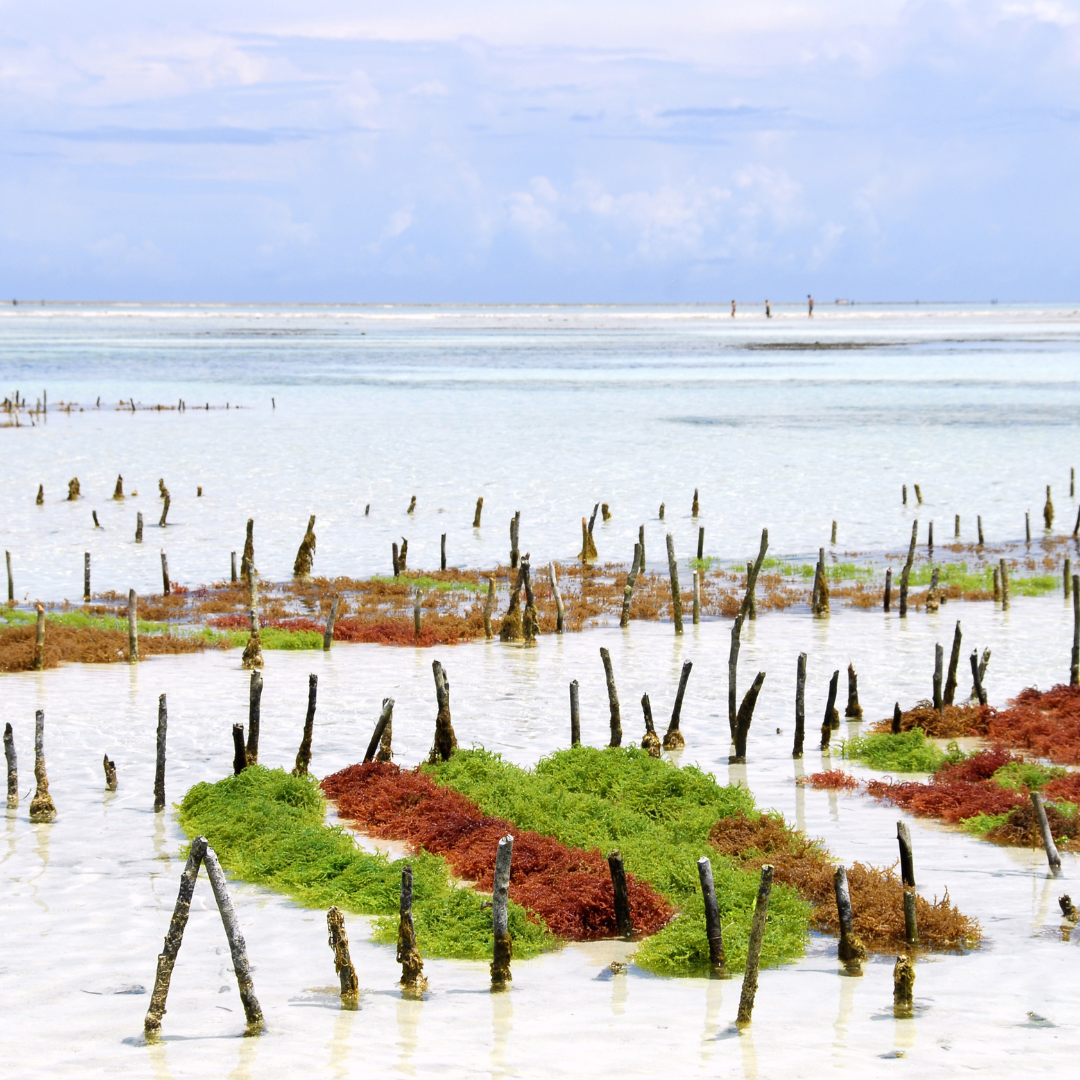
(482, 151)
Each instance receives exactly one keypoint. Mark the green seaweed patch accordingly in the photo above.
(421, 582)
(268, 828)
(908, 751)
(79, 620)
(981, 824)
(659, 817)
(1027, 775)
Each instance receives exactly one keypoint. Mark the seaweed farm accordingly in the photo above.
(527, 692)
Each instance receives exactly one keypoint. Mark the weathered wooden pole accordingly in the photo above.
(255, 689)
(650, 741)
(515, 525)
(1052, 856)
(800, 706)
(560, 611)
(39, 641)
(733, 669)
(511, 628)
(956, 527)
(851, 950)
(832, 538)
(613, 699)
(695, 507)
(930, 537)
(592, 518)
(831, 714)
(979, 521)
(897, 719)
(305, 553)
(661, 513)
(413, 983)
(903, 988)
(949, 695)
(701, 543)
(641, 541)
(86, 576)
(138, 527)
(673, 737)
(174, 937)
(442, 552)
(165, 574)
(588, 547)
(237, 947)
(338, 940)
(939, 665)
(1027, 526)
(575, 715)
(530, 622)
(751, 578)
(40, 500)
(977, 669)
(753, 948)
(1004, 585)
(673, 572)
(239, 761)
(328, 633)
(622, 897)
(854, 709)
(697, 597)
(159, 766)
(386, 718)
(252, 656)
(12, 768)
(247, 559)
(109, 766)
(489, 607)
(10, 582)
(479, 510)
(500, 922)
(412, 506)
(743, 719)
(1066, 576)
(133, 627)
(631, 581)
(905, 494)
(165, 511)
(303, 755)
(713, 930)
(907, 877)
(416, 615)
(918, 494)
(445, 739)
(42, 807)
(395, 558)
(905, 574)
(1074, 664)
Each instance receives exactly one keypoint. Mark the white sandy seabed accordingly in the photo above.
(86, 900)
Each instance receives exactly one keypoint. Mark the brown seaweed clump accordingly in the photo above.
(877, 895)
(953, 722)
(85, 645)
(1021, 828)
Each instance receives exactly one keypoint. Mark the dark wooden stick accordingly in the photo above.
(12, 768)
(233, 578)
(500, 922)
(697, 597)
(954, 660)
(133, 627)
(631, 581)
(732, 671)
(303, 755)
(385, 718)
(1004, 585)
(239, 761)
(592, 519)
(695, 507)
(641, 541)
(613, 699)
(897, 719)
(650, 740)
(907, 877)
(138, 527)
(159, 767)
(1052, 856)
(417, 601)
(713, 929)
(489, 607)
(827, 724)
(42, 807)
(673, 573)
(742, 721)
(164, 511)
(165, 574)
(560, 611)
(445, 739)
(328, 633)
(1074, 664)
(10, 582)
(905, 574)
(854, 709)
(976, 677)
(851, 950)
(110, 773)
(673, 737)
(700, 542)
(575, 715)
(413, 983)
(800, 706)
(939, 665)
(956, 527)
(343, 965)
(753, 948)
(442, 552)
(479, 510)
(86, 576)
(515, 525)
(255, 690)
(39, 641)
(981, 531)
(622, 897)
(1066, 577)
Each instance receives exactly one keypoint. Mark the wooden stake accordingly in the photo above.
(956, 528)
(239, 761)
(255, 689)
(40, 500)
(442, 552)
(575, 715)
(412, 506)
(981, 532)
(851, 950)
(673, 737)
(86, 576)
(592, 518)
(1027, 526)
(905, 494)
(386, 718)
(701, 543)
(954, 661)
(159, 766)
(479, 510)
(132, 626)
(343, 965)
(138, 528)
(42, 807)
(165, 574)
(417, 600)
(110, 773)
(39, 641)
(515, 526)
(930, 537)
(560, 612)
(742, 721)
(303, 755)
(903, 988)
(305, 553)
(918, 495)
(1052, 856)
(907, 876)
(673, 572)
(888, 588)
(800, 706)
(753, 948)
(1066, 574)
(854, 709)
(732, 671)
(489, 606)
(641, 541)
(1074, 663)
(445, 739)
(10, 582)
(695, 507)
(650, 741)
(939, 665)
(12, 769)
(713, 929)
(697, 597)
(897, 719)
(1004, 585)
(247, 560)
(165, 511)
(613, 699)
(530, 622)
(831, 714)
(905, 574)
(504, 946)
(751, 578)
(976, 677)
(413, 983)
(832, 538)
(661, 511)
(622, 897)
(328, 633)
(628, 588)
(252, 656)
(588, 548)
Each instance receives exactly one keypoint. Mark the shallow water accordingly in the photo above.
(546, 410)
(87, 899)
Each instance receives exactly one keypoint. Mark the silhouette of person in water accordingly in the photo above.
(768, 310)
(733, 309)
(810, 299)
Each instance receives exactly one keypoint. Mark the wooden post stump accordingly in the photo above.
(1052, 856)
(328, 633)
(949, 696)
(743, 719)
(713, 929)
(138, 527)
(903, 988)
(42, 807)
(753, 949)
(39, 641)
(650, 741)
(12, 768)
(504, 946)
(851, 951)
(800, 707)
(560, 612)
(255, 689)
(489, 607)
(109, 766)
(305, 554)
(303, 755)
(575, 715)
(854, 709)
(479, 510)
(239, 762)
(445, 739)
(382, 726)
(907, 877)
(673, 737)
(133, 627)
(613, 699)
(831, 714)
(673, 572)
(165, 589)
(343, 965)
(622, 897)
(413, 983)
(159, 765)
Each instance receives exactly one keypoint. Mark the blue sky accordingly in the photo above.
(482, 151)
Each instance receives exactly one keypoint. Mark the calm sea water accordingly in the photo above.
(787, 422)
